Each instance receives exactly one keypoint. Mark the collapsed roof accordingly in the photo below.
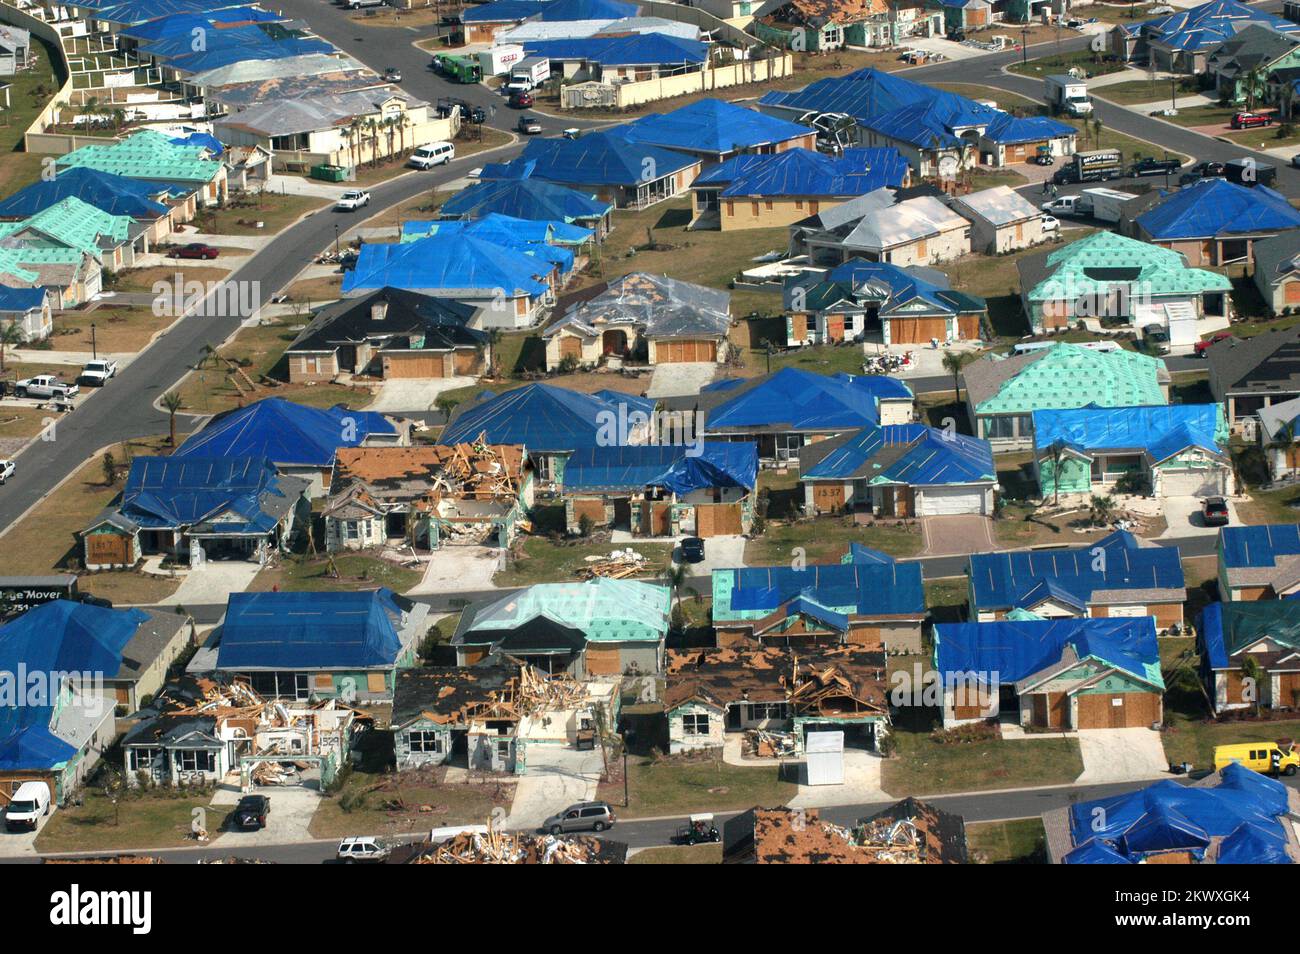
(664, 307)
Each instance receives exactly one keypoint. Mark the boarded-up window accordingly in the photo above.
(324, 681)
(375, 682)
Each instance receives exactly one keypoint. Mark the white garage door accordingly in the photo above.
(1191, 483)
(936, 501)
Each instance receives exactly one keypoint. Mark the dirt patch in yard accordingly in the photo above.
(401, 803)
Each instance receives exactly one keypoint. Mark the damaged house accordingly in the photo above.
(641, 319)
(819, 26)
(203, 732)
(600, 627)
(389, 333)
(910, 832)
(486, 716)
(662, 491)
(427, 495)
(868, 600)
(347, 644)
(1250, 654)
(783, 695)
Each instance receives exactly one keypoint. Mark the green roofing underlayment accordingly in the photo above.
(1103, 260)
(146, 155)
(1070, 376)
(604, 610)
(74, 224)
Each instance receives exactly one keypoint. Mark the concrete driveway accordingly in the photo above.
(292, 808)
(414, 394)
(720, 553)
(1121, 755)
(213, 583)
(21, 844)
(958, 534)
(453, 569)
(861, 783)
(680, 378)
(1183, 514)
(557, 777)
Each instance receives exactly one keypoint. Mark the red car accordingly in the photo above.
(1202, 347)
(1250, 120)
(195, 250)
(520, 100)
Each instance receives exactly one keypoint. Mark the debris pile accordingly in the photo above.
(619, 565)
(766, 744)
(517, 848)
(909, 832)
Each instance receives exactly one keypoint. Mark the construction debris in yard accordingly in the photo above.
(619, 565)
(495, 847)
(765, 744)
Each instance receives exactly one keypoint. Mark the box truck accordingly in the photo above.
(501, 59)
(529, 74)
(1102, 204)
(1067, 94)
(1097, 165)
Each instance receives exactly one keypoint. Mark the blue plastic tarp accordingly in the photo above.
(878, 589)
(1002, 580)
(1161, 430)
(1095, 852)
(929, 457)
(116, 195)
(285, 433)
(21, 299)
(600, 158)
(1015, 650)
(1217, 207)
(1254, 845)
(181, 491)
(542, 417)
(524, 198)
(804, 400)
(1209, 24)
(503, 11)
(1258, 546)
(1163, 828)
(860, 554)
(588, 10)
(636, 49)
(713, 126)
(634, 467)
(802, 172)
(466, 267)
(528, 238)
(333, 630)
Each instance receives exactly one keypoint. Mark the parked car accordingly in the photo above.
(1156, 338)
(363, 849)
(392, 75)
(520, 100)
(45, 386)
(1201, 348)
(432, 154)
(1214, 510)
(1295, 161)
(584, 816)
(195, 250)
(957, 36)
(529, 126)
(352, 200)
(27, 806)
(1203, 170)
(98, 372)
(692, 549)
(468, 111)
(250, 814)
(1151, 166)
(7, 468)
(1250, 120)
(1051, 223)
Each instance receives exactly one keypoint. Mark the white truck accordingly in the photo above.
(501, 59)
(98, 372)
(1067, 94)
(1104, 205)
(529, 74)
(352, 199)
(45, 386)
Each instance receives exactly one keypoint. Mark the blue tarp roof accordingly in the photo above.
(599, 158)
(588, 10)
(528, 238)
(1015, 650)
(468, 267)
(860, 554)
(1003, 580)
(542, 417)
(180, 491)
(636, 49)
(802, 172)
(1209, 24)
(204, 140)
(633, 467)
(116, 195)
(1258, 546)
(1094, 852)
(503, 11)
(21, 299)
(1169, 816)
(60, 636)
(507, 230)
(1254, 845)
(285, 433)
(906, 291)
(1161, 430)
(343, 630)
(930, 457)
(525, 199)
(179, 24)
(876, 589)
(142, 11)
(244, 48)
(714, 126)
(1213, 207)
(803, 400)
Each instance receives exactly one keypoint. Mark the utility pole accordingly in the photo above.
(94, 353)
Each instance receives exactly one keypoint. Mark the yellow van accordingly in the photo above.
(1268, 758)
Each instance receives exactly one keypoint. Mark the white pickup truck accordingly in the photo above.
(45, 386)
(98, 372)
(352, 200)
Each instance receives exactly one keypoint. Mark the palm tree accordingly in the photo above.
(1251, 669)
(675, 576)
(10, 336)
(953, 362)
(403, 124)
(1057, 454)
(171, 401)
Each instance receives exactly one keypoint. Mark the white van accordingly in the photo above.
(27, 806)
(434, 154)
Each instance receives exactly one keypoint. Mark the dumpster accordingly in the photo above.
(329, 173)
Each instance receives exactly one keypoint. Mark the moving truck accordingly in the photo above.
(1095, 166)
(1067, 94)
(531, 73)
(1269, 758)
(501, 59)
(1102, 204)
(460, 69)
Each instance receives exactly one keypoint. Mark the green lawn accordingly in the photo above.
(946, 599)
(273, 210)
(679, 855)
(388, 804)
(546, 562)
(923, 766)
(1020, 842)
(145, 821)
(29, 92)
(1194, 741)
(1202, 116)
(1063, 62)
(1138, 91)
(355, 571)
(826, 539)
(678, 787)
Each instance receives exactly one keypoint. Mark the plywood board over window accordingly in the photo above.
(375, 682)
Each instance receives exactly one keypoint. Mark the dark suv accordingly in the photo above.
(250, 814)
(1214, 511)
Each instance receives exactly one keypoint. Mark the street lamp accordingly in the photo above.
(1024, 45)
(93, 352)
(336, 240)
(1173, 92)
